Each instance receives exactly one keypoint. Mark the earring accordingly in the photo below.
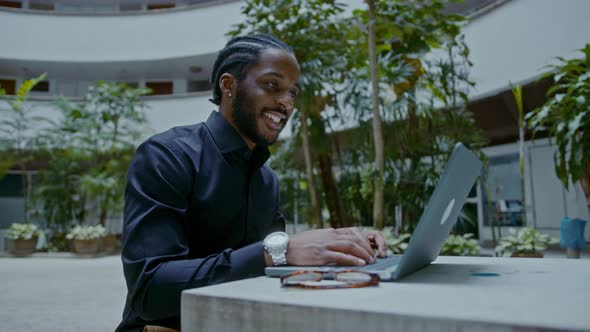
(229, 94)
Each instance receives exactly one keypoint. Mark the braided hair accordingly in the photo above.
(238, 53)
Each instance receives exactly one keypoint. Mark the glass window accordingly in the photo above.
(12, 207)
(9, 86)
(13, 210)
(129, 7)
(129, 84)
(160, 6)
(197, 86)
(41, 5)
(160, 88)
(503, 186)
(42, 86)
(11, 186)
(10, 4)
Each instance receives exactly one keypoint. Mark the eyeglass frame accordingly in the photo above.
(373, 281)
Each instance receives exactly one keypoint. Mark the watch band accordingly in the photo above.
(275, 245)
(279, 258)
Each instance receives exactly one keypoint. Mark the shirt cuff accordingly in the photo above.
(248, 262)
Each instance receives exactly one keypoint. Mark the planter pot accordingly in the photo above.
(22, 247)
(110, 243)
(572, 237)
(572, 253)
(527, 254)
(86, 247)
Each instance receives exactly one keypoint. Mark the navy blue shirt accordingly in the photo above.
(198, 202)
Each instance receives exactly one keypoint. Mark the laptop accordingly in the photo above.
(434, 227)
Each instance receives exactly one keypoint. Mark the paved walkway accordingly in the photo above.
(61, 294)
(67, 294)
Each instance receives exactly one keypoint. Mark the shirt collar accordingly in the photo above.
(224, 135)
(228, 140)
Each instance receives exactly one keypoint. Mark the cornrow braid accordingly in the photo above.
(238, 53)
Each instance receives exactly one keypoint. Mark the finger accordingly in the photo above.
(340, 258)
(379, 242)
(350, 247)
(360, 239)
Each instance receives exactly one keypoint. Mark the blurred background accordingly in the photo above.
(84, 82)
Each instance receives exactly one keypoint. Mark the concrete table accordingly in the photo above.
(452, 294)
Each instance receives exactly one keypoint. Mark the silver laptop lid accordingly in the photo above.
(441, 211)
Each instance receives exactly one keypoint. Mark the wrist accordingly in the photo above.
(267, 259)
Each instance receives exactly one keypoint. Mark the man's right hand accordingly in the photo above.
(342, 246)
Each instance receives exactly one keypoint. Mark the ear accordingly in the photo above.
(227, 85)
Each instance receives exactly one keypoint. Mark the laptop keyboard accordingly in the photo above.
(379, 264)
(384, 263)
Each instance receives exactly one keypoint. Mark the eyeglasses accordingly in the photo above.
(339, 279)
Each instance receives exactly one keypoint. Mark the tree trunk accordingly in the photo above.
(378, 206)
(338, 217)
(104, 211)
(25, 186)
(316, 217)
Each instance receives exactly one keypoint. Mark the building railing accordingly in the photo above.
(76, 90)
(113, 7)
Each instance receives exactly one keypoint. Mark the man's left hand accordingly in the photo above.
(377, 241)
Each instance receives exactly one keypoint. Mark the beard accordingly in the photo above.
(246, 118)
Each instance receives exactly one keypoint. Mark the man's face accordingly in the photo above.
(265, 99)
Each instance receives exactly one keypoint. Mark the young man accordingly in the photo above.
(199, 199)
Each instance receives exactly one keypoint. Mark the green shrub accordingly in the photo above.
(460, 245)
(526, 240)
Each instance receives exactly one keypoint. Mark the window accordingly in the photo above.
(129, 7)
(11, 200)
(9, 86)
(11, 186)
(160, 6)
(160, 88)
(196, 2)
(196, 86)
(40, 5)
(134, 85)
(504, 206)
(11, 4)
(42, 86)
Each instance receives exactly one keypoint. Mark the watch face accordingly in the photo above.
(276, 240)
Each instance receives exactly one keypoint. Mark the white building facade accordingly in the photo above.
(170, 47)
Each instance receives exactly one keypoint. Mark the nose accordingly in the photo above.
(287, 102)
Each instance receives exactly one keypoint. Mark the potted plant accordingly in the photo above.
(565, 116)
(460, 245)
(85, 238)
(397, 245)
(24, 238)
(527, 242)
(110, 242)
(18, 135)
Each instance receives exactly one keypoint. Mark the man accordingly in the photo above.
(199, 198)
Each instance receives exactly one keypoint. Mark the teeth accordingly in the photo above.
(273, 117)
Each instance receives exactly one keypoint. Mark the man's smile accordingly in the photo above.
(276, 120)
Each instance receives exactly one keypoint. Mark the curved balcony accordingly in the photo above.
(516, 41)
(141, 36)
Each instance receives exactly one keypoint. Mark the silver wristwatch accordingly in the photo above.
(275, 245)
